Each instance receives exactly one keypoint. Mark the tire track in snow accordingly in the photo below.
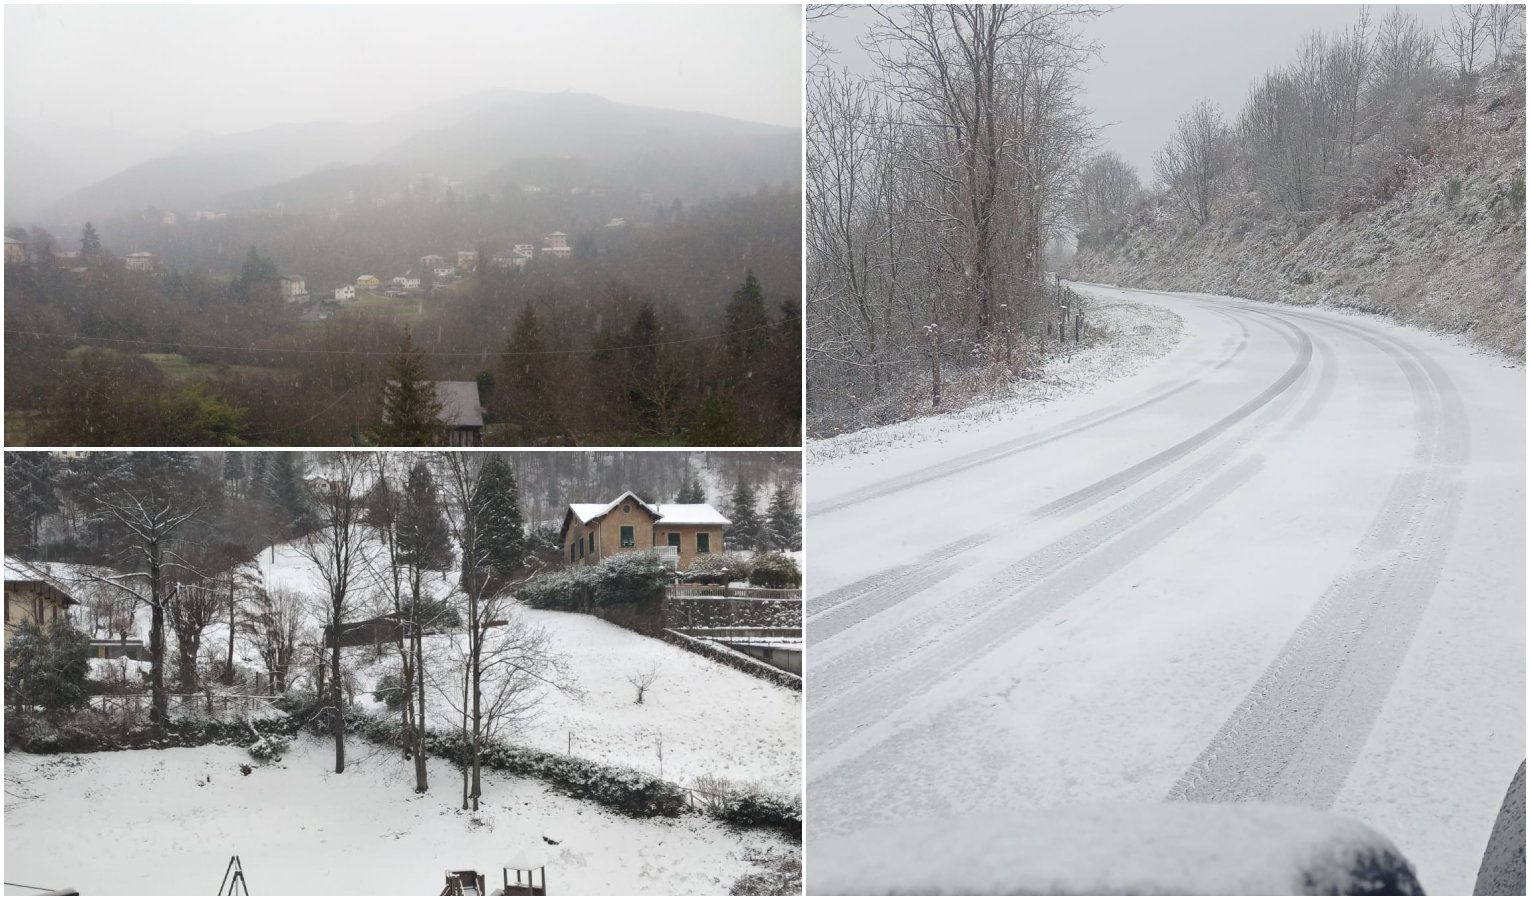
(863, 599)
(1298, 733)
(866, 597)
(1019, 445)
(871, 681)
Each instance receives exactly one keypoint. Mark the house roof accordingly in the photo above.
(11, 240)
(292, 278)
(690, 514)
(21, 572)
(143, 253)
(663, 513)
(460, 404)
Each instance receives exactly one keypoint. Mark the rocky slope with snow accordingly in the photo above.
(1445, 252)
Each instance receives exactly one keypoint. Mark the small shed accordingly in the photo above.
(461, 412)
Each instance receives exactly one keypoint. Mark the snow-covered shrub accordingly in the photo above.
(775, 570)
(629, 578)
(390, 691)
(47, 668)
(777, 874)
(560, 589)
(269, 748)
(756, 809)
(715, 568)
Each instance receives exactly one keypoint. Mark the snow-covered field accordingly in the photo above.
(1282, 563)
(710, 719)
(167, 821)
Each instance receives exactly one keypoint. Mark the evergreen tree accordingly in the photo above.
(47, 667)
(502, 532)
(29, 495)
(258, 279)
(423, 537)
(287, 494)
(411, 414)
(744, 533)
(783, 521)
(90, 242)
(523, 378)
(691, 491)
(234, 473)
(746, 320)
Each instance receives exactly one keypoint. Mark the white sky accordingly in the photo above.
(1157, 60)
(171, 70)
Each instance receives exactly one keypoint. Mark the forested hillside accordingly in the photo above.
(1383, 170)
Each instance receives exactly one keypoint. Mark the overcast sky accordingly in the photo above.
(172, 70)
(1158, 60)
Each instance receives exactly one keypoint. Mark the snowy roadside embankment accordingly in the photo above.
(1127, 337)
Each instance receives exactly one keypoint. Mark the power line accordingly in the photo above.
(450, 353)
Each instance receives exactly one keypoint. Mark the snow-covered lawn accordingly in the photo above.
(167, 821)
(712, 720)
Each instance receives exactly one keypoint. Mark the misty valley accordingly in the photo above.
(507, 268)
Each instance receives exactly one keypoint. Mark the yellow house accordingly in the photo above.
(368, 282)
(679, 531)
(31, 595)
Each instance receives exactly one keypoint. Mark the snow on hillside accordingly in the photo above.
(1446, 252)
(167, 821)
(710, 719)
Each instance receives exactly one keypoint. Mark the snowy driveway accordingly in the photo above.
(1285, 563)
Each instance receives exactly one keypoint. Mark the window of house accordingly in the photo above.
(628, 540)
(674, 539)
(571, 556)
(703, 542)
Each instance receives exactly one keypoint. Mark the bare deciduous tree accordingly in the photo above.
(643, 680)
(1194, 164)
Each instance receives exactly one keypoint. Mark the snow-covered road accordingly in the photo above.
(1285, 562)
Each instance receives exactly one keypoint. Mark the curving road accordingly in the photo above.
(1284, 563)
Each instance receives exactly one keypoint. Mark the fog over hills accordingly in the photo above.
(481, 142)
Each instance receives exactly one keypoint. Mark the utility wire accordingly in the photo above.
(451, 353)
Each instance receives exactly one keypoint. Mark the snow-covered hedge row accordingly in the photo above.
(624, 578)
(95, 733)
(624, 790)
(758, 810)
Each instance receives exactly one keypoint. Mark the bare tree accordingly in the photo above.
(1108, 188)
(643, 680)
(1506, 29)
(152, 499)
(195, 606)
(339, 552)
(274, 624)
(1194, 164)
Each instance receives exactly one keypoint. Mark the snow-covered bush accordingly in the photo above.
(715, 568)
(775, 570)
(629, 578)
(560, 589)
(269, 748)
(47, 668)
(777, 874)
(756, 809)
(390, 691)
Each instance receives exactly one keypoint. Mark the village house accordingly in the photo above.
(368, 282)
(467, 260)
(432, 260)
(445, 273)
(680, 532)
(203, 215)
(406, 283)
(462, 412)
(32, 595)
(15, 251)
(169, 218)
(294, 289)
(345, 294)
(142, 261)
(557, 246)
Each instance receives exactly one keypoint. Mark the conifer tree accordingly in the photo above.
(411, 414)
(744, 533)
(746, 320)
(691, 491)
(502, 530)
(523, 378)
(90, 242)
(423, 537)
(783, 521)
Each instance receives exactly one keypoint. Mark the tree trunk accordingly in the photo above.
(228, 666)
(159, 704)
(421, 775)
(339, 695)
